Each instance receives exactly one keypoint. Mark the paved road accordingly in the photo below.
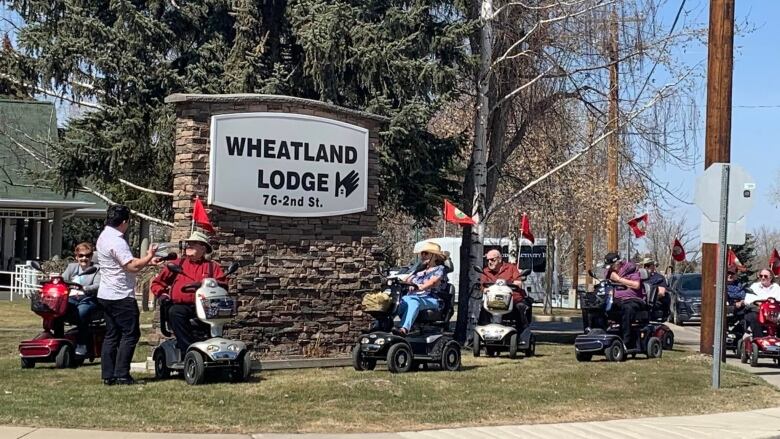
(688, 337)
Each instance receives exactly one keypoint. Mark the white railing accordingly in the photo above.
(24, 281)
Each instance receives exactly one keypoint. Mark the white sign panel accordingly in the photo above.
(285, 164)
(735, 232)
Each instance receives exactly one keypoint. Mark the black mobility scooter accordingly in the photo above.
(604, 335)
(428, 343)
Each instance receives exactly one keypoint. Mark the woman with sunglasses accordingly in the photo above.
(425, 286)
(81, 304)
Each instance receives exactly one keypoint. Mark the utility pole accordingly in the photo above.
(612, 145)
(575, 271)
(720, 65)
(588, 263)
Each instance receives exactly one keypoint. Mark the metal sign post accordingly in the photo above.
(717, 351)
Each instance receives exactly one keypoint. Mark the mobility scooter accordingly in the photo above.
(501, 333)
(214, 307)
(54, 344)
(766, 346)
(604, 332)
(428, 343)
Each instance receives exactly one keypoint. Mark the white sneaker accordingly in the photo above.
(81, 350)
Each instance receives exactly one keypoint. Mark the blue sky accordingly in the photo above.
(754, 130)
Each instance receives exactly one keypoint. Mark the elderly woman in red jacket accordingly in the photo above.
(168, 285)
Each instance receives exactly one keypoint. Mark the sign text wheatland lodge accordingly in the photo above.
(288, 165)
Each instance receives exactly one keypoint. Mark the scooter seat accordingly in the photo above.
(430, 316)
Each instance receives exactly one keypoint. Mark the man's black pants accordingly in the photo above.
(628, 311)
(122, 334)
(751, 321)
(179, 315)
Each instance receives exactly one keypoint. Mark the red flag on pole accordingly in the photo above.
(454, 215)
(678, 252)
(774, 262)
(200, 217)
(731, 259)
(525, 228)
(638, 225)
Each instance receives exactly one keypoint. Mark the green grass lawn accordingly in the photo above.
(17, 314)
(551, 387)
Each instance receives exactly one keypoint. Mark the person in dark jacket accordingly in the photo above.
(82, 303)
(628, 294)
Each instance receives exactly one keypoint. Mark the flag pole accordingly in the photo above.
(192, 215)
(671, 254)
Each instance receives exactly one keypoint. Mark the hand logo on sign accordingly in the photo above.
(347, 185)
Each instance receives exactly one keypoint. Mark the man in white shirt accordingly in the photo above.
(762, 290)
(116, 296)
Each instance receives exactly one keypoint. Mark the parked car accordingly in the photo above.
(686, 298)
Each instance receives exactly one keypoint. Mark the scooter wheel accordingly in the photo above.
(615, 351)
(399, 358)
(531, 351)
(450, 357)
(654, 348)
(27, 363)
(743, 355)
(194, 368)
(583, 356)
(669, 341)
(754, 355)
(64, 357)
(360, 362)
(476, 345)
(244, 369)
(513, 346)
(161, 370)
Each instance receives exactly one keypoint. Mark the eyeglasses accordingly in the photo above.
(84, 255)
(493, 259)
(764, 276)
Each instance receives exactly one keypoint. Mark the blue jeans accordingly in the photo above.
(81, 313)
(411, 305)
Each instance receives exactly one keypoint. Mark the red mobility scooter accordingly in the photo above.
(54, 344)
(767, 346)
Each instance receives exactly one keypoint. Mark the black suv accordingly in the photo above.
(686, 298)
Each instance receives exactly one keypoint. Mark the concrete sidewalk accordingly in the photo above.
(748, 425)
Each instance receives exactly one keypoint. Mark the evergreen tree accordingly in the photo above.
(400, 59)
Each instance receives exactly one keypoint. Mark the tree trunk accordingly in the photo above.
(475, 235)
(549, 275)
(575, 271)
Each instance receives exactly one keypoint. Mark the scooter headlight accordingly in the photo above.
(364, 340)
(232, 348)
(212, 348)
(380, 341)
(211, 283)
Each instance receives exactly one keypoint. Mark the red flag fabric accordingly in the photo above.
(678, 252)
(774, 262)
(525, 228)
(638, 225)
(200, 217)
(731, 259)
(454, 215)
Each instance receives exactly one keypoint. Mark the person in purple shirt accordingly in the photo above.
(629, 294)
